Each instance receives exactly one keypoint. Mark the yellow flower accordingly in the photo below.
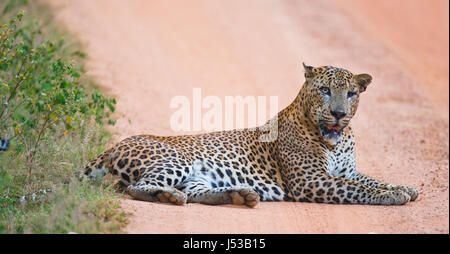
(12, 53)
(56, 118)
(65, 132)
(68, 119)
(49, 108)
(16, 130)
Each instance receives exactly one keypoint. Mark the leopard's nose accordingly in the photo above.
(338, 114)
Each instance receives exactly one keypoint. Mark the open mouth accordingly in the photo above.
(331, 131)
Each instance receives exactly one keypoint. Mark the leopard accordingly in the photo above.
(308, 155)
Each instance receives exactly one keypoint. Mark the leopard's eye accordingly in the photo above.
(351, 94)
(325, 90)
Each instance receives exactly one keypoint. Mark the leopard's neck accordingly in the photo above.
(294, 120)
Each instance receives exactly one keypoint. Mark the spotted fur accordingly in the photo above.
(312, 158)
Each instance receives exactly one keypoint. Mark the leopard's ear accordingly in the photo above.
(363, 80)
(309, 71)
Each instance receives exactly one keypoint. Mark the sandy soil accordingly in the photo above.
(146, 52)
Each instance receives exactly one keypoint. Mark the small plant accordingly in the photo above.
(40, 91)
(51, 124)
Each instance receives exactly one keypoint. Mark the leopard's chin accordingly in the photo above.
(332, 134)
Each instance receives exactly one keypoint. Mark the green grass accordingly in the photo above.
(73, 206)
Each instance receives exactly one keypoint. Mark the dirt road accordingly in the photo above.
(146, 52)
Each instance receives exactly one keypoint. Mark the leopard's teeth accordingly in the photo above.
(338, 128)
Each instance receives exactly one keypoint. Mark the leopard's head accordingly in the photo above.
(330, 98)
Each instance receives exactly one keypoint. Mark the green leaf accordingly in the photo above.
(60, 99)
(84, 109)
(47, 86)
(110, 106)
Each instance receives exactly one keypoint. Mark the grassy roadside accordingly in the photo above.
(74, 134)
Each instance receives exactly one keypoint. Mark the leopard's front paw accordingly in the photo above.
(393, 197)
(412, 192)
(246, 197)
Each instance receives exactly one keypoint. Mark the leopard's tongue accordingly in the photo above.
(334, 127)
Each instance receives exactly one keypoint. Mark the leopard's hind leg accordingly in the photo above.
(97, 168)
(158, 182)
(152, 193)
(201, 188)
(204, 193)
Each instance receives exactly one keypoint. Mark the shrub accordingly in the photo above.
(40, 91)
(54, 120)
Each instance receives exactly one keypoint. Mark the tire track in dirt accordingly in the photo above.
(145, 53)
